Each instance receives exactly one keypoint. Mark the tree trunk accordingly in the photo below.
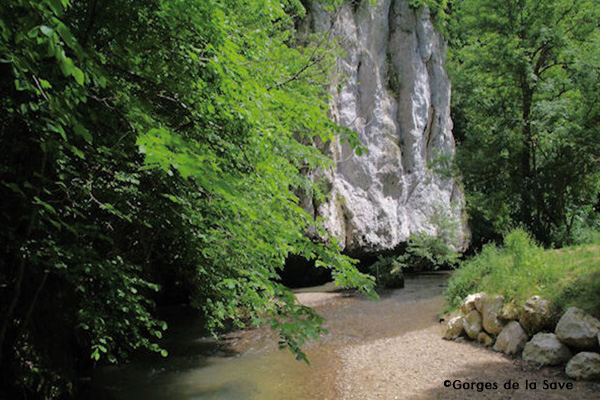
(526, 155)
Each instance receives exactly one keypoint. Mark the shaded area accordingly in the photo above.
(247, 364)
(300, 272)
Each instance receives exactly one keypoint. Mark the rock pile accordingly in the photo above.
(534, 332)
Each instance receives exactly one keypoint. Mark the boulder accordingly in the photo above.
(454, 328)
(509, 312)
(578, 329)
(470, 302)
(584, 366)
(490, 311)
(546, 349)
(480, 301)
(536, 315)
(472, 324)
(511, 339)
(485, 339)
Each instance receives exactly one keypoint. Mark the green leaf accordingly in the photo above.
(57, 6)
(46, 30)
(45, 205)
(78, 75)
(77, 152)
(66, 64)
(83, 132)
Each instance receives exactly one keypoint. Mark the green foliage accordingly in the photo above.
(425, 253)
(153, 149)
(430, 252)
(520, 269)
(526, 77)
(444, 165)
(437, 8)
(387, 272)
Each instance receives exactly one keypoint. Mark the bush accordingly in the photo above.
(423, 253)
(426, 253)
(387, 272)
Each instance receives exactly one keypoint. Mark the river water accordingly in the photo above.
(248, 366)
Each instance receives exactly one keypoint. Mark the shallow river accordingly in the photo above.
(248, 365)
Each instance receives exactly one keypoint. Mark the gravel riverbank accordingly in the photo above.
(415, 366)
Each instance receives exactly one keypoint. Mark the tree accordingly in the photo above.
(524, 112)
(152, 149)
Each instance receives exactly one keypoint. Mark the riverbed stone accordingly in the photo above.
(472, 324)
(578, 329)
(454, 328)
(546, 349)
(584, 366)
(470, 302)
(536, 315)
(485, 339)
(511, 339)
(490, 310)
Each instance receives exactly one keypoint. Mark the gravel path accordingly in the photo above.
(415, 365)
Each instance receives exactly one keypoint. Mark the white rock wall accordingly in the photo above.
(393, 91)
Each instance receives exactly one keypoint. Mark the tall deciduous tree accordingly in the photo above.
(151, 146)
(526, 113)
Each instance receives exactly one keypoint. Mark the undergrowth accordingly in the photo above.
(520, 268)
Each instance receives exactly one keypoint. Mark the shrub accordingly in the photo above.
(387, 272)
(426, 253)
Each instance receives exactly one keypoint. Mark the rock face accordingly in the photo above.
(578, 329)
(512, 339)
(536, 315)
(546, 349)
(392, 89)
(584, 366)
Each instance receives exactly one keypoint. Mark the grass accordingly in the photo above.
(567, 277)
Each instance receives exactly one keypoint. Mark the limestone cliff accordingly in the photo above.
(393, 90)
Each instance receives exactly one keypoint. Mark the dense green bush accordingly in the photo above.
(426, 253)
